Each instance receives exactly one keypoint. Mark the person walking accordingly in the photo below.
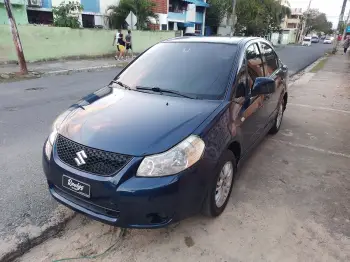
(129, 44)
(121, 47)
(346, 44)
(115, 42)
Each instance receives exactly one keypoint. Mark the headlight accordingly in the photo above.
(173, 161)
(49, 144)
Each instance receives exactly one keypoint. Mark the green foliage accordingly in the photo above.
(143, 9)
(317, 21)
(257, 17)
(66, 14)
(217, 11)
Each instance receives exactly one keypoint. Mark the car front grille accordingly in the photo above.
(97, 161)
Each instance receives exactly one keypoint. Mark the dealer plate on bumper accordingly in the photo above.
(76, 186)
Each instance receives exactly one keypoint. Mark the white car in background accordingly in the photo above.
(327, 40)
(306, 41)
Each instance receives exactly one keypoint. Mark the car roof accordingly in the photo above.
(212, 39)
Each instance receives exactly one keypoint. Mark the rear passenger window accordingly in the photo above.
(270, 59)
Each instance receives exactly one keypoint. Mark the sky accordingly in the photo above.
(331, 8)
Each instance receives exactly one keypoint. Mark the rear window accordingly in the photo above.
(200, 70)
(307, 39)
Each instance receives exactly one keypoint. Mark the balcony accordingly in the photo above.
(177, 16)
(197, 2)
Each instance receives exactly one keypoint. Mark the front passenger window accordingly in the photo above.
(270, 59)
(254, 63)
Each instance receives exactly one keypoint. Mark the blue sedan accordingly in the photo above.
(163, 140)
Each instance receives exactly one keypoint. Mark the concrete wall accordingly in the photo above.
(19, 12)
(42, 42)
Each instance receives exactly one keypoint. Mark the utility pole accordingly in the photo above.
(16, 39)
(233, 17)
(341, 17)
(346, 25)
(304, 23)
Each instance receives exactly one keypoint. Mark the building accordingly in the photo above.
(185, 15)
(40, 11)
(295, 20)
(284, 22)
(18, 10)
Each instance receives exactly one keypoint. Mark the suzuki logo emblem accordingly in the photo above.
(80, 159)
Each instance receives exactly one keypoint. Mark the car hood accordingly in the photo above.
(133, 123)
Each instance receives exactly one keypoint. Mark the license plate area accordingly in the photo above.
(76, 186)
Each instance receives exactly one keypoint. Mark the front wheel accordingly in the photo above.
(278, 120)
(220, 191)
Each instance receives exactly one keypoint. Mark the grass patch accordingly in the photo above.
(319, 66)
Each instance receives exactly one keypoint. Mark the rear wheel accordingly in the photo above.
(220, 191)
(278, 120)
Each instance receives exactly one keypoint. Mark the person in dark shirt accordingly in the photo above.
(121, 47)
(128, 43)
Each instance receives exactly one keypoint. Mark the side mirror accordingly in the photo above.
(284, 68)
(263, 86)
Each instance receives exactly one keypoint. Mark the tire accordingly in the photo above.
(278, 120)
(212, 207)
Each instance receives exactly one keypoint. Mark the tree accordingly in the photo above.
(67, 14)
(317, 21)
(257, 17)
(143, 9)
(217, 11)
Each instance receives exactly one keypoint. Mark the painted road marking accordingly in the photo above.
(311, 148)
(320, 108)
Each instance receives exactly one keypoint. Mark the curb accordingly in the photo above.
(38, 74)
(80, 70)
(18, 247)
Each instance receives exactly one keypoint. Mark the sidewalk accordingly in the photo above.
(63, 66)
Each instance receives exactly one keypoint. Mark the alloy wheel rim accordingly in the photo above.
(223, 184)
(279, 116)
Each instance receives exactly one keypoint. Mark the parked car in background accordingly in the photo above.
(306, 41)
(164, 139)
(327, 40)
(315, 39)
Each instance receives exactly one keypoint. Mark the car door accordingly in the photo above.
(249, 117)
(272, 69)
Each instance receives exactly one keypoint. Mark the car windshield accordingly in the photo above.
(198, 70)
(306, 40)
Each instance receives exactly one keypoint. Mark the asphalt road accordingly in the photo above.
(299, 57)
(27, 110)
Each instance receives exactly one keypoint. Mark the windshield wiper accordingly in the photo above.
(121, 84)
(160, 90)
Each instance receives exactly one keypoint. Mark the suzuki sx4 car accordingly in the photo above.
(164, 139)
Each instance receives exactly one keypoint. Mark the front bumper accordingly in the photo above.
(128, 201)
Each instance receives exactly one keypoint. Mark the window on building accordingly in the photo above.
(88, 21)
(39, 17)
(171, 26)
(164, 27)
